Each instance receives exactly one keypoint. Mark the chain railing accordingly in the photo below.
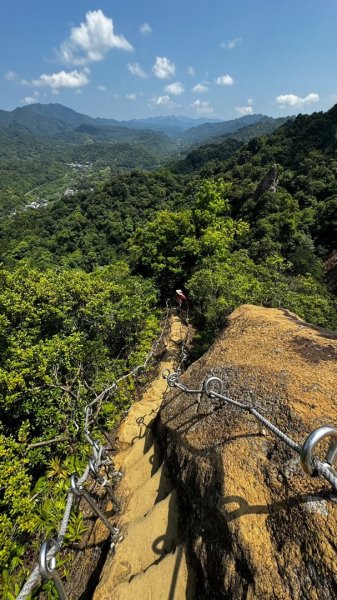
(212, 387)
(45, 569)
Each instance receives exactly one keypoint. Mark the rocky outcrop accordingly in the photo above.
(256, 526)
(330, 268)
(269, 183)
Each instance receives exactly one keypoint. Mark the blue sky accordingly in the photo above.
(127, 58)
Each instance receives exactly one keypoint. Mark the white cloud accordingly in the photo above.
(101, 88)
(231, 43)
(131, 96)
(285, 100)
(11, 76)
(175, 88)
(163, 68)
(200, 88)
(63, 79)
(191, 71)
(136, 70)
(161, 101)
(145, 29)
(79, 92)
(29, 100)
(92, 40)
(244, 110)
(224, 80)
(202, 108)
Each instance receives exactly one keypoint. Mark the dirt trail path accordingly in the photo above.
(150, 562)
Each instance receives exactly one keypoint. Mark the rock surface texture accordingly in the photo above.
(268, 183)
(256, 526)
(331, 271)
(150, 560)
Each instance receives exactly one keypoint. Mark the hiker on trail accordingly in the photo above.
(181, 298)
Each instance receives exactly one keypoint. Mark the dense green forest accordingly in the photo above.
(32, 168)
(83, 279)
(46, 149)
(65, 337)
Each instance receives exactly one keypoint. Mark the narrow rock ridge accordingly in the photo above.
(150, 561)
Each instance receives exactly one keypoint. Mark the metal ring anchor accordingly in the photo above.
(306, 456)
(78, 490)
(172, 379)
(213, 381)
(75, 486)
(47, 567)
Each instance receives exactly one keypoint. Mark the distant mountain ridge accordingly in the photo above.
(50, 119)
(55, 119)
(172, 125)
(209, 130)
(222, 147)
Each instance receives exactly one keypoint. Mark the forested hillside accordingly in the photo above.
(83, 278)
(292, 218)
(46, 149)
(301, 214)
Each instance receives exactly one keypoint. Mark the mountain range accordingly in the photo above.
(55, 120)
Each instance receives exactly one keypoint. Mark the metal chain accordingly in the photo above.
(97, 450)
(35, 577)
(310, 464)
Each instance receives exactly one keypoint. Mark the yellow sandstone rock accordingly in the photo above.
(258, 526)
